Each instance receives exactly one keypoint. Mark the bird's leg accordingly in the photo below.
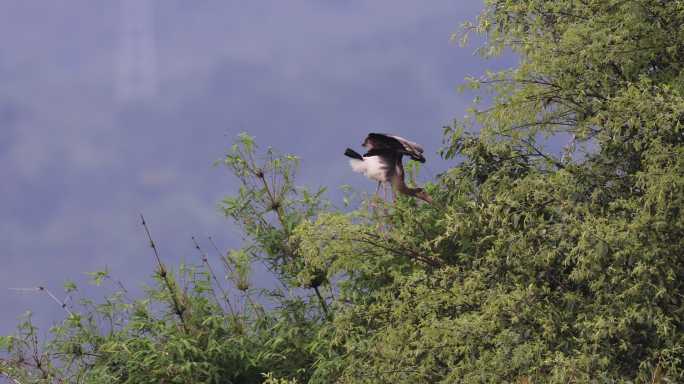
(377, 191)
(398, 179)
(373, 200)
(380, 218)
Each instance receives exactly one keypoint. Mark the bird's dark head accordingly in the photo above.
(366, 142)
(421, 194)
(371, 140)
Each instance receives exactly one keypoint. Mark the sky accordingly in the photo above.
(112, 109)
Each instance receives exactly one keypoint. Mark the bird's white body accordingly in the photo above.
(373, 167)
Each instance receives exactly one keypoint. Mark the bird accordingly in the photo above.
(383, 163)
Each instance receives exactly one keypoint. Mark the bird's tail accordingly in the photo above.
(353, 154)
(356, 161)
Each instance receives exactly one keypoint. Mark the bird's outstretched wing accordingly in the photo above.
(377, 141)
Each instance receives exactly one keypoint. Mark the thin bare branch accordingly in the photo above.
(205, 260)
(59, 302)
(10, 378)
(177, 307)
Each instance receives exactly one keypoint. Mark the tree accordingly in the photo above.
(190, 327)
(554, 268)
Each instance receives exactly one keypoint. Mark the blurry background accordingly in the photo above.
(109, 109)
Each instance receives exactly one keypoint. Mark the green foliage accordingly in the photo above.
(270, 379)
(532, 265)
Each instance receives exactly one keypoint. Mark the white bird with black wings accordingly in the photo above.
(383, 162)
